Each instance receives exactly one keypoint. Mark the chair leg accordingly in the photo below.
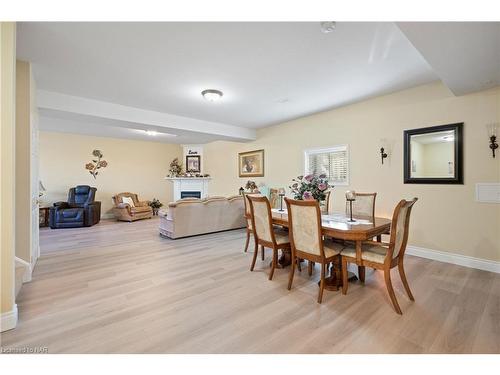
(298, 264)
(321, 283)
(255, 252)
(361, 273)
(344, 276)
(292, 271)
(273, 264)
(263, 255)
(309, 267)
(388, 284)
(247, 242)
(404, 280)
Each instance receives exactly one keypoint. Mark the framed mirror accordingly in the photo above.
(434, 155)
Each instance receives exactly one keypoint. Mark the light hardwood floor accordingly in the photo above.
(120, 288)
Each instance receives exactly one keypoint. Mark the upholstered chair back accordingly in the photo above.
(400, 226)
(260, 211)
(364, 205)
(304, 218)
(247, 207)
(81, 195)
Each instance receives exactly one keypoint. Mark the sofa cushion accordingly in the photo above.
(140, 209)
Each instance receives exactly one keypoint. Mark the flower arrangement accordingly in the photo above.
(175, 168)
(96, 163)
(155, 204)
(251, 185)
(310, 187)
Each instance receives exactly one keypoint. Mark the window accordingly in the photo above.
(332, 161)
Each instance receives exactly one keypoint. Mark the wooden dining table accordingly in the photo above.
(337, 226)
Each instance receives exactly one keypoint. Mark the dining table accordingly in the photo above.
(338, 226)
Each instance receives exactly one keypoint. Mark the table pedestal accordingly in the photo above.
(332, 282)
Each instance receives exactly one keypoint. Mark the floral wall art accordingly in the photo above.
(96, 164)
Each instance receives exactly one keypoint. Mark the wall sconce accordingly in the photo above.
(492, 133)
(383, 147)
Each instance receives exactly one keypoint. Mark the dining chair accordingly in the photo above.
(384, 256)
(266, 235)
(248, 216)
(306, 238)
(364, 205)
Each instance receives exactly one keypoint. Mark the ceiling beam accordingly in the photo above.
(55, 101)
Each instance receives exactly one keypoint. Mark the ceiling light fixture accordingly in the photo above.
(328, 26)
(212, 95)
(151, 133)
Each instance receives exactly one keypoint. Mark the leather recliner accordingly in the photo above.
(81, 209)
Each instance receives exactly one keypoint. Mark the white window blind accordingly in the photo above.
(332, 161)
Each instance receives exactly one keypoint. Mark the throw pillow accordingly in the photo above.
(129, 201)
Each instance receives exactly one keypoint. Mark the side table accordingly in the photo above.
(44, 216)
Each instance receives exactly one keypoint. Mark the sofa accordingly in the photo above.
(135, 210)
(81, 209)
(191, 216)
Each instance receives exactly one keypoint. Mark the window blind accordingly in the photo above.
(332, 162)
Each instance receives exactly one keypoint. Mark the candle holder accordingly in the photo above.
(350, 196)
(351, 220)
(492, 133)
(281, 194)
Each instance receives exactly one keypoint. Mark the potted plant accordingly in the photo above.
(175, 168)
(155, 204)
(310, 187)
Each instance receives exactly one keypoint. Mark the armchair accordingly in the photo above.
(81, 209)
(131, 212)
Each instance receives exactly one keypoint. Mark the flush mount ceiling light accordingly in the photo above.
(328, 26)
(212, 95)
(154, 133)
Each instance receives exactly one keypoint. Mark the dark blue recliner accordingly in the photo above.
(81, 209)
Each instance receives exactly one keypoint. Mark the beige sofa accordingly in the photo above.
(191, 216)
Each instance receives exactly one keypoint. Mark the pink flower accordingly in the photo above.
(307, 196)
(322, 186)
(309, 177)
(322, 175)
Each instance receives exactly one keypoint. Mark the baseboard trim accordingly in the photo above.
(458, 259)
(9, 319)
(28, 269)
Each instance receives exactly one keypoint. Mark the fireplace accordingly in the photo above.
(190, 194)
(189, 187)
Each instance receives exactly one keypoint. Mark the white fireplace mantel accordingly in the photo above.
(199, 184)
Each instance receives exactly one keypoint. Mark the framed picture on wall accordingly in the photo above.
(251, 163)
(193, 163)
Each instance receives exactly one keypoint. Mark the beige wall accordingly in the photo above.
(7, 164)
(134, 166)
(23, 160)
(445, 218)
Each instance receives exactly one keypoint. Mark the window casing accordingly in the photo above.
(332, 161)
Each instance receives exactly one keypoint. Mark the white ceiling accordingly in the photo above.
(465, 55)
(269, 72)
